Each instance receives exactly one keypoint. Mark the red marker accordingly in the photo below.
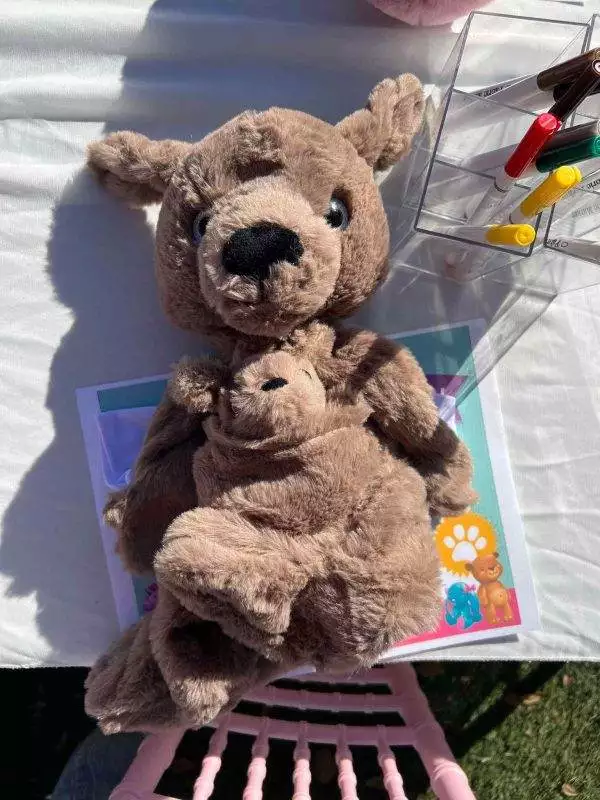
(524, 154)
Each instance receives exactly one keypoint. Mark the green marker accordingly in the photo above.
(571, 154)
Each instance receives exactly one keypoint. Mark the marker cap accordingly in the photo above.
(562, 88)
(540, 130)
(520, 235)
(572, 154)
(578, 91)
(566, 72)
(578, 133)
(550, 191)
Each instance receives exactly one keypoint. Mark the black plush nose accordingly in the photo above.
(253, 251)
(273, 383)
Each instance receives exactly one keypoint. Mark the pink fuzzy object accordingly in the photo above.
(427, 12)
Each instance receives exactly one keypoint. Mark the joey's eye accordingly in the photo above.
(199, 227)
(337, 215)
(306, 372)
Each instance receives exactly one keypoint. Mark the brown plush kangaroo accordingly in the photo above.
(267, 224)
(311, 543)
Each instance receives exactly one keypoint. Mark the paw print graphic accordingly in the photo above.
(460, 540)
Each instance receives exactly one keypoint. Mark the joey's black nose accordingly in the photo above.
(253, 251)
(273, 383)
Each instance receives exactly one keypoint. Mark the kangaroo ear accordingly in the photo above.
(382, 132)
(135, 168)
(196, 383)
(496, 555)
(315, 342)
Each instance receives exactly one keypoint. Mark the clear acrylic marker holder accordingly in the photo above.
(491, 49)
(451, 277)
(451, 192)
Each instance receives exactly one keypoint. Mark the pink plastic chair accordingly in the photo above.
(421, 731)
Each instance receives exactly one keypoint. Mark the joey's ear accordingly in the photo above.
(135, 168)
(496, 555)
(196, 383)
(469, 566)
(382, 132)
(315, 342)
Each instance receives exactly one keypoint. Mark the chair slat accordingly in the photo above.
(211, 764)
(302, 776)
(257, 771)
(153, 757)
(346, 775)
(392, 780)
(325, 701)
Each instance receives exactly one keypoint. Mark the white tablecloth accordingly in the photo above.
(78, 302)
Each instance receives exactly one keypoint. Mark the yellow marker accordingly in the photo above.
(521, 235)
(511, 235)
(556, 185)
(468, 264)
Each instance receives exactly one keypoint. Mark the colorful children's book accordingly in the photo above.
(487, 585)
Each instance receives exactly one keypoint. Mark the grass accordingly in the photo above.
(521, 731)
(519, 735)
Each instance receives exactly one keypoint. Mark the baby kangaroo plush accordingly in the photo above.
(310, 544)
(266, 225)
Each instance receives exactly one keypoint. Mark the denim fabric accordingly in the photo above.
(97, 766)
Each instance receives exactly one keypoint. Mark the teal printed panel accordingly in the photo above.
(136, 395)
(449, 352)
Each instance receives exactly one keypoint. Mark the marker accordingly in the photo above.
(505, 235)
(490, 91)
(567, 71)
(577, 92)
(495, 158)
(546, 194)
(587, 202)
(559, 91)
(522, 157)
(588, 211)
(574, 155)
(468, 264)
(577, 133)
(519, 91)
(571, 154)
(594, 183)
(587, 249)
(582, 210)
(529, 98)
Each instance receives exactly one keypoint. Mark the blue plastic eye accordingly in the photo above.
(338, 215)
(199, 227)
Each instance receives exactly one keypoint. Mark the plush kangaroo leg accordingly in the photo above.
(206, 671)
(125, 690)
